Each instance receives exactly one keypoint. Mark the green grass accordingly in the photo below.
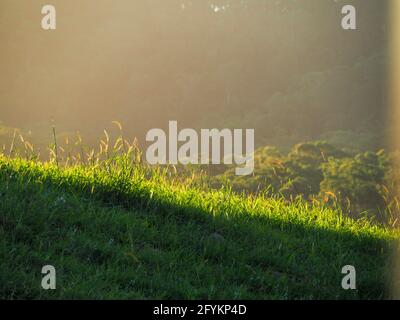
(116, 231)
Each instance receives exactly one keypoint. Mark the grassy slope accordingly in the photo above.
(121, 234)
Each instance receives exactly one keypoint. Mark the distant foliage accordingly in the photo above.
(362, 184)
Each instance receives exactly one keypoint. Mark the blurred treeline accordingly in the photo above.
(361, 184)
(285, 68)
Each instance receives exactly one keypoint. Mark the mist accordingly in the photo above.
(285, 68)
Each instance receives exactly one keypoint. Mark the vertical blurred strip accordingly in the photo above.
(395, 69)
(394, 114)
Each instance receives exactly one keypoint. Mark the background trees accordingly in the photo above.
(362, 184)
(285, 68)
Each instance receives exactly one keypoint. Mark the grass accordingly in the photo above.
(114, 230)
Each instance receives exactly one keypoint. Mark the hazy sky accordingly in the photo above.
(147, 62)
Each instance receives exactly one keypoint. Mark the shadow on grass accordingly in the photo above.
(262, 257)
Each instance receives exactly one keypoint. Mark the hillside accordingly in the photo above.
(115, 230)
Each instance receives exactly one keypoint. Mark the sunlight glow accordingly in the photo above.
(394, 67)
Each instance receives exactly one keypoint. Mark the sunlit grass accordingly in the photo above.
(117, 229)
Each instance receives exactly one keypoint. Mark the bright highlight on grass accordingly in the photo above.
(117, 230)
